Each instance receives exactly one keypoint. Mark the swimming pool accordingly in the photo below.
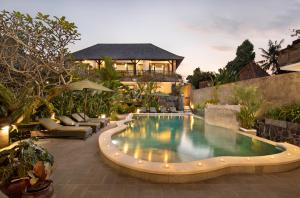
(172, 139)
(180, 148)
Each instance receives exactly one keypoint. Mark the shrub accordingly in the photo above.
(114, 116)
(203, 104)
(290, 113)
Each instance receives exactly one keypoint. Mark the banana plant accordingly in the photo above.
(20, 108)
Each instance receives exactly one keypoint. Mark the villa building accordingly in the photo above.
(143, 62)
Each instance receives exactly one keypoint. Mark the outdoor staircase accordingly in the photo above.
(187, 109)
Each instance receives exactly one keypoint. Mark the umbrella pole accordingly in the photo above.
(85, 103)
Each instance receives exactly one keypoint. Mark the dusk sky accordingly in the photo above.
(205, 32)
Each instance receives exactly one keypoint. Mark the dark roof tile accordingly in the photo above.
(138, 51)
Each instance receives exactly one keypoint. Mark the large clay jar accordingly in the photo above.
(45, 191)
(16, 188)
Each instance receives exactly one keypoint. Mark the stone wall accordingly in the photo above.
(276, 90)
(290, 55)
(279, 131)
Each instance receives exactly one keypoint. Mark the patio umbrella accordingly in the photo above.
(85, 85)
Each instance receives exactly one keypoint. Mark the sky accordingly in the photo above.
(205, 32)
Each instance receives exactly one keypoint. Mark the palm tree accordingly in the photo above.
(271, 56)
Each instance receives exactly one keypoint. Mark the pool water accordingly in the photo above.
(185, 138)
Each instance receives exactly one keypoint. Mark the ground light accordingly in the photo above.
(103, 116)
(4, 136)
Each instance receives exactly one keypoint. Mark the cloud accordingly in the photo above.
(222, 48)
(287, 17)
(234, 20)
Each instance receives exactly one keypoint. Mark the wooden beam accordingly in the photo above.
(134, 62)
(172, 66)
(99, 62)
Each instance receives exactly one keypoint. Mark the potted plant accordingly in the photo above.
(250, 100)
(25, 169)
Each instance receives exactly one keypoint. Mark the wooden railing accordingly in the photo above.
(149, 75)
(127, 73)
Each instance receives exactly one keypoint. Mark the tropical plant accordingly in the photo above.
(290, 113)
(26, 160)
(250, 100)
(200, 76)
(23, 107)
(108, 73)
(7, 101)
(147, 90)
(271, 56)
(296, 32)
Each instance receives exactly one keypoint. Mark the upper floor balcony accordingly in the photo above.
(142, 75)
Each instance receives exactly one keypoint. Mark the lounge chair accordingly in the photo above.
(57, 130)
(163, 110)
(104, 121)
(173, 110)
(153, 110)
(143, 110)
(79, 119)
(69, 122)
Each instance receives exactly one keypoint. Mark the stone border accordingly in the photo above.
(195, 170)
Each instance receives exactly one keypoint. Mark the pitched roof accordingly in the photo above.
(134, 51)
(252, 70)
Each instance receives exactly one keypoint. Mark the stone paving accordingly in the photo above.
(80, 172)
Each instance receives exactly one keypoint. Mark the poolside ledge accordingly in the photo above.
(195, 170)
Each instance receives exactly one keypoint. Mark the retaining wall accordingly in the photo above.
(276, 90)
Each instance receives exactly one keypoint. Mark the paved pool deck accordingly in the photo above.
(81, 172)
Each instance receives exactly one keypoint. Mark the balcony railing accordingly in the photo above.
(160, 76)
(144, 72)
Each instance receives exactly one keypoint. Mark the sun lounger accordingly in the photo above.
(173, 110)
(143, 110)
(79, 119)
(104, 121)
(69, 122)
(153, 110)
(163, 110)
(57, 130)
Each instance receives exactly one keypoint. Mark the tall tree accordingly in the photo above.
(33, 60)
(200, 76)
(270, 56)
(33, 51)
(244, 55)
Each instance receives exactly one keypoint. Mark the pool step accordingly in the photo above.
(187, 109)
